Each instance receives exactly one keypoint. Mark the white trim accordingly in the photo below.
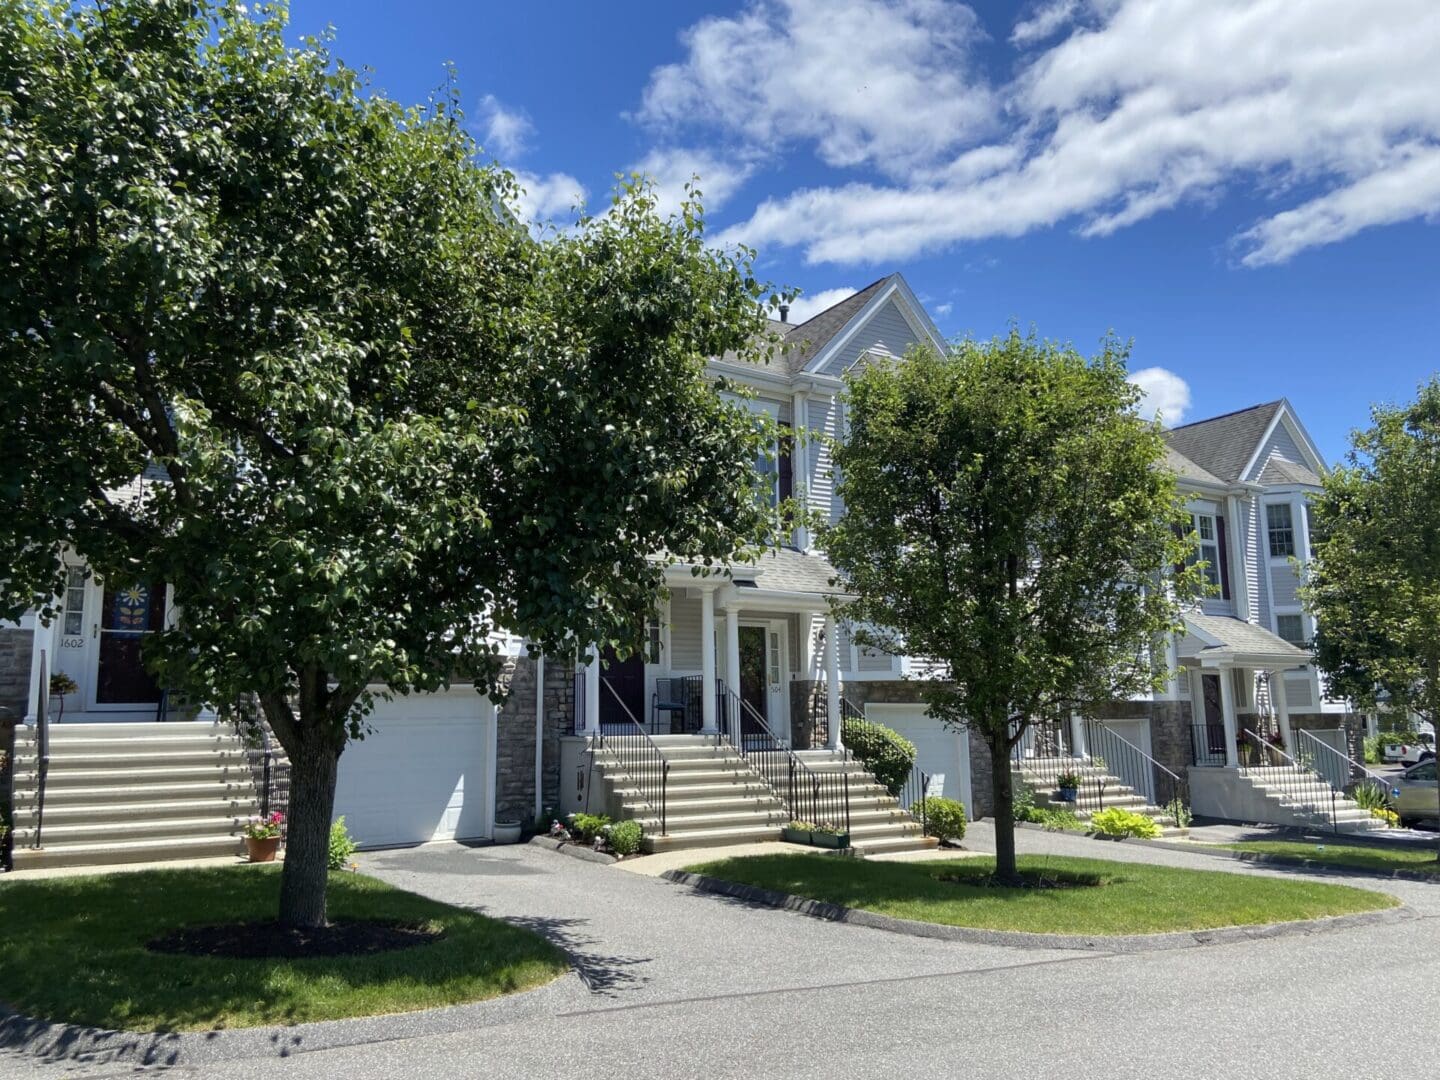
(1286, 414)
(896, 286)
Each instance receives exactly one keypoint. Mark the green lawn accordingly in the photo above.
(73, 949)
(1119, 898)
(1353, 856)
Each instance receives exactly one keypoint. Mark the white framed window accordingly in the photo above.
(1207, 546)
(1280, 525)
(1291, 627)
(773, 658)
(73, 619)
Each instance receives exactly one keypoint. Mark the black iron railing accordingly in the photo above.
(1337, 768)
(821, 798)
(1308, 794)
(1044, 757)
(857, 729)
(1118, 756)
(1207, 745)
(42, 745)
(638, 757)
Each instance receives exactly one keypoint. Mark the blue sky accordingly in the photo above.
(1244, 187)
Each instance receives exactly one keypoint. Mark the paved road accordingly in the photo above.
(674, 984)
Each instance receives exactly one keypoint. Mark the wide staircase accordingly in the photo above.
(131, 792)
(1097, 790)
(1300, 797)
(712, 795)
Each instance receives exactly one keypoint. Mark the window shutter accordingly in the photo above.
(787, 465)
(1224, 557)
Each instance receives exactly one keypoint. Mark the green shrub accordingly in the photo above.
(944, 818)
(1053, 820)
(624, 837)
(1023, 800)
(1369, 795)
(586, 827)
(1179, 813)
(887, 754)
(1118, 822)
(341, 845)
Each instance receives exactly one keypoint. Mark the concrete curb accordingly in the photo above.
(1127, 943)
(574, 850)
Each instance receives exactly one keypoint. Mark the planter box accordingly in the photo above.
(1066, 794)
(815, 839)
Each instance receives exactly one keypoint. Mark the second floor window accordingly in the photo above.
(1282, 530)
(1291, 628)
(1208, 548)
(777, 477)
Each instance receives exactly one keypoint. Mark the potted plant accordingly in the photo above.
(1068, 787)
(262, 837)
(60, 685)
(507, 832)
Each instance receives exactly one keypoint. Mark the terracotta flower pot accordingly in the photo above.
(262, 850)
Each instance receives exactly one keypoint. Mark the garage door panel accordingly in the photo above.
(421, 773)
(939, 750)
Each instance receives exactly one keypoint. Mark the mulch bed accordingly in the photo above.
(1030, 879)
(271, 941)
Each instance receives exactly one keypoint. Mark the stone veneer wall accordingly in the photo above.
(515, 736)
(804, 694)
(1169, 728)
(1353, 723)
(15, 646)
(912, 691)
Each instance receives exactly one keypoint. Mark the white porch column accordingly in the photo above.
(832, 684)
(592, 691)
(707, 661)
(1282, 709)
(732, 657)
(1227, 714)
(40, 638)
(1078, 747)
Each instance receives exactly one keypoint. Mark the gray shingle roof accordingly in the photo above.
(788, 570)
(804, 340)
(1279, 471)
(1223, 444)
(1236, 635)
(1186, 469)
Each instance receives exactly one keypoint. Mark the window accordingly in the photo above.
(653, 640)
(1282, 530)
(1291, 628)
(1208, 546)
(776, 470)
(74, 601)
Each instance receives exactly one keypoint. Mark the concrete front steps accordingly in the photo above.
(715, 797)
(132, 792)
(877, 821)
(1039, 775)
(1299, 797)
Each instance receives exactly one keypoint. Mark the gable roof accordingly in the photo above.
(804, 340)
(1224, 445)
(1186, 469)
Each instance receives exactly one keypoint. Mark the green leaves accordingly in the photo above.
(379, 422)
(1007, 515)
(1373, 582)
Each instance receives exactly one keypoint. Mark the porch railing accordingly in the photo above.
(639, 758)
(1342, 772)
(1207, 745)
(1308, 793)
(805, 794)
(856, 727)
(1134, 767)
(42, 745)
(1044, 753)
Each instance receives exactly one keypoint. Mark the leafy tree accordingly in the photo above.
(1007, 516)
(1373, 582)
(390, 421)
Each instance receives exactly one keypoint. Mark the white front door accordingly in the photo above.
(72, 652)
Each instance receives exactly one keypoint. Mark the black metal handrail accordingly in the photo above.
(1263, 760)
(1333, 765)
(42, 745)
(640, 759)
(821, 798)
(1207, 745)
(1044, 753)
(1135, 768)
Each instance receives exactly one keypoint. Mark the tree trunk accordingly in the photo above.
(307, 837)
(1006, 871)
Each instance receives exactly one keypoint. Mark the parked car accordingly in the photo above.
(1414, 796)
(1408, 753)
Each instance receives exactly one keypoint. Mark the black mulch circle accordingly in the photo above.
(271, 941)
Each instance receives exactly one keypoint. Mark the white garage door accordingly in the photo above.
(939, 751)
(424, 773)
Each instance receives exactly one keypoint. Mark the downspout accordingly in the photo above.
(539, 735)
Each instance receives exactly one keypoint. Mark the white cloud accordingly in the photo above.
(943, 310)
(1047, 19)
(503, 132)
(1166, 395)
(670, 169)
(1329, 110)
(805, 307)
(545, 198)
(891, 85)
